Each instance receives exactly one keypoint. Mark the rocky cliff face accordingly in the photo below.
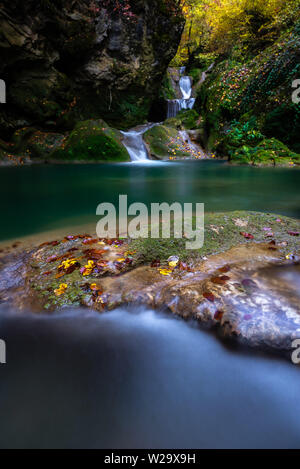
(65, 60)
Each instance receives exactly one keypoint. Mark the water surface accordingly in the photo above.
(139, 379)
(41, 198)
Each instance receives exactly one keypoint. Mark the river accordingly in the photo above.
(139, 379)
(45, 197)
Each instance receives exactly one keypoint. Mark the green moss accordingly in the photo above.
(227, 236)
(188, 120)
(268, 152)
(167, 91)
(92, 140)
(163, 142)
(42, 144)
(257, 84)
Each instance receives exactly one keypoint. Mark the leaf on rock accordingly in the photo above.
(219, 315)
(220, 280)
(247, 235)
(51, 259)
(209, 296)
(225, 269)
(90, 241)
(60, 275)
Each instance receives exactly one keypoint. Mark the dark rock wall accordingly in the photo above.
(65, 61)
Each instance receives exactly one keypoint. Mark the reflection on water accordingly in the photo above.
(139, 379)
(40, 198)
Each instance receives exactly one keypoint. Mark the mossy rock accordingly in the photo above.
(92, 140)
(222, 232)
(43, 144)
(189, 119)
(164, 142)
(270, 152)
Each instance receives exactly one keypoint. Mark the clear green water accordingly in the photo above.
(38, 198)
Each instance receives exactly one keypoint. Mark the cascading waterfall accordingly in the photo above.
(134, 143)
(187, 102)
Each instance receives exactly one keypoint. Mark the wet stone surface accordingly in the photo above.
(250, 292)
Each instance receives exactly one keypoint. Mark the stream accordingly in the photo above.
(49, 197)
(139, 379)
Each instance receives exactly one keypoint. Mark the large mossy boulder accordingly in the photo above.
(165, 142)
(270, 152)
(92, 140)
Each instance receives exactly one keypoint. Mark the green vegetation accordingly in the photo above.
(92, 140)
(222, 231)
(247, 96)
(268, 152)
(164, 142)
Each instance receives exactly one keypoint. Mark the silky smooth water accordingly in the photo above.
(139, 379)
(40, 198)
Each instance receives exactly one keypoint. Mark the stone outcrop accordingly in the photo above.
(65, 61)
(247, 291)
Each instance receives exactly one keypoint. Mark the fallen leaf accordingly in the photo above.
(293, 233)
(225, 269)
(60, 275)
(209, 296)
(220, 280)
(165, 272)
(219, 315)
(247, 235)
(51, 259)
(90, 241)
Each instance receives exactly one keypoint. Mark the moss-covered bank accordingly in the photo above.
(90, 141)
(247, 98)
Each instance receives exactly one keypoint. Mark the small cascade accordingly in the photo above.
(186, 87)
(186, 102)
(195, 150)
(134, 143)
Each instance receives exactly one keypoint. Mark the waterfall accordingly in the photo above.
(186, 102)
(186, 87)
(134, 143)
(177, 105)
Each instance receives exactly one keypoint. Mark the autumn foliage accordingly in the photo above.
(217, 25)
